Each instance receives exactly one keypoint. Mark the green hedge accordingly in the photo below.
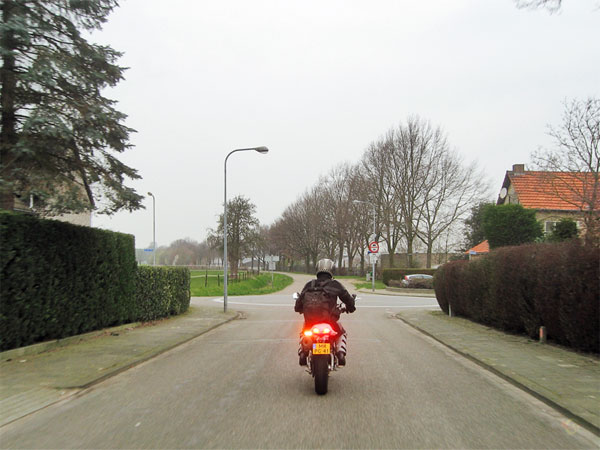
(398, 274)
(59, 280)
(161, 291)
(521, 288)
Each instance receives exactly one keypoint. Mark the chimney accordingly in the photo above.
(518, 169)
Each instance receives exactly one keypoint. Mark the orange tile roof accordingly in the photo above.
(561, 191)
(482, 247)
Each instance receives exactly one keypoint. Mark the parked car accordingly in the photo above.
(418, 280)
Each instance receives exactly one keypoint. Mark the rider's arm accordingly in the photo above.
(344, 295)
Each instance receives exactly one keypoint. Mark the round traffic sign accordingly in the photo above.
(374, 247)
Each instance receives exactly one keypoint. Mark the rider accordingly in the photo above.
(332, 290)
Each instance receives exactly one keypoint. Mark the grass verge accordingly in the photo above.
(257, 285)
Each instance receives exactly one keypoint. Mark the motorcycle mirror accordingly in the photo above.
(295, 296)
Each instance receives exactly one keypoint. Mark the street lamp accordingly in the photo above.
(374, 234)
(262, 150)
(153, 227)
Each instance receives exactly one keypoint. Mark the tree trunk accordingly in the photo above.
(362, 263)
(409, 253)
(429, 251)
(8, 121)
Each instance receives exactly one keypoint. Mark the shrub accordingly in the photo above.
(519, 289)
(60, 279)
(510, 224)
(161, 291)
(564, 230)
(398, 274)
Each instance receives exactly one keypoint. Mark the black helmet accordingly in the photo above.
(325, 266)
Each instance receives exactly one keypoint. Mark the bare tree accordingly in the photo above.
(452, 189)
(551, 5)
(241, 226)
(378, 172)
(300, 228)
(572, 166)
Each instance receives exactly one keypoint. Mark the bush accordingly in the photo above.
(398, 274)
(161, 291)
(60, 279)
(519, 289)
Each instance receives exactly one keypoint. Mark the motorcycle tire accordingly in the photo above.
(321, 373)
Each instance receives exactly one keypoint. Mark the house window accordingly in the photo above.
(549, 227)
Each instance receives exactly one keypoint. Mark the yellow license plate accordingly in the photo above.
(321, 349)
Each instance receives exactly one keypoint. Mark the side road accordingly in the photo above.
(35, 377)
(566, 380)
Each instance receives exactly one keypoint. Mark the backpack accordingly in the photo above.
(316, 305)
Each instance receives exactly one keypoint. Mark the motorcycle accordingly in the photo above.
(321, 340)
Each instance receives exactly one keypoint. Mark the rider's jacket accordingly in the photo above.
(333, 289)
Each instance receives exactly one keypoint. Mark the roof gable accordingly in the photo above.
(482, 247)
(558, 191)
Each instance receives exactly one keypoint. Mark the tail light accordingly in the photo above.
(315, 330)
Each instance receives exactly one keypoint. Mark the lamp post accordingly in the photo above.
(153, 227)
(262, 150)
(374, 234)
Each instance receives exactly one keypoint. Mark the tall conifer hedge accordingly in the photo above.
(59, 280)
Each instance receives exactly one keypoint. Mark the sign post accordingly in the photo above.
(373, 249)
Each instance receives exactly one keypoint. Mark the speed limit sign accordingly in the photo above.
(374, 247)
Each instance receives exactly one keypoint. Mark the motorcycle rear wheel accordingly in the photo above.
(321, 373)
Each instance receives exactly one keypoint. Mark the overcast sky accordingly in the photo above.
(317, 81)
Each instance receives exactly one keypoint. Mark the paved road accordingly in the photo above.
(240, 386)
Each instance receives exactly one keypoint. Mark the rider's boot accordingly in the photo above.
(302, 352)
(341, 349)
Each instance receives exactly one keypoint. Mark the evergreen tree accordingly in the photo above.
(59, 133)
(474, 226)
(510, 225)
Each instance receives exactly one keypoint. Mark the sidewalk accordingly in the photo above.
(566, 380)
(37, 376)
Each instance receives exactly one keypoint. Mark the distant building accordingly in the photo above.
(483, 248)
(554, 195)
(27, 205)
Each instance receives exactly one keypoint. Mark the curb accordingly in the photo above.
(388, 291)
(574, 417)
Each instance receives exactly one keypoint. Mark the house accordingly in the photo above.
(29, 206)
(483, 248)
(555, 195)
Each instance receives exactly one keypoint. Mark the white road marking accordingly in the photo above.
(289, 305)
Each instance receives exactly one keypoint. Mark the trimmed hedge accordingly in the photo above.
(398, 274)
(521, 288)
(161, 291)
(59, 280)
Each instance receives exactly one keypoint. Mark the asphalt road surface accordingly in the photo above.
(240, 386)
